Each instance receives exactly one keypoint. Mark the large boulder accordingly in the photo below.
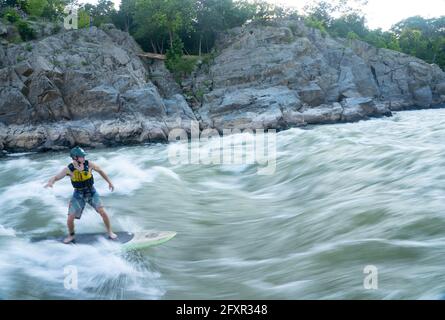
(440, 88)
(323, 114)
(163, 79)
(14, 107)
(355, 109)
(253, 108)
(23, 69)
(98, 102)
(23, 137)
(179, 113)
(116, 131)
(46, 98)
(146, 101)
(423, 96)
(312, 94)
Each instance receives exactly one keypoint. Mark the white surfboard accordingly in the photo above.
(129, 240)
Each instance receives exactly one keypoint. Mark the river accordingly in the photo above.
(343, 198)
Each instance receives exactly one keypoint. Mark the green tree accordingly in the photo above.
(376, 38)
(36, 7)
(14, 3)
(324, 12)
(263, 11)
(422, 37)
(352, 35)
(169, 15)
(25, 31)
(176, 62)
(316, 24)
(53, 10)
(11, 15)
(411, 41)
(83, 19)
(214, 16)
(147, 30)
(319, 13)
(414, 23)
(345, 24)
(101, 13)
(124, 18)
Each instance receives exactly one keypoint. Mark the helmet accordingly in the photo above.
(77, 152)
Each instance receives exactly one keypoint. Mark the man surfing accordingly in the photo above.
(80, 172)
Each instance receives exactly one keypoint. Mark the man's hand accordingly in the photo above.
(103, 174)
(50, 184)
(59, 176)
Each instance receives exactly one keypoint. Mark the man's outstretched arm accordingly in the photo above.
(95, 167)
(57, 177)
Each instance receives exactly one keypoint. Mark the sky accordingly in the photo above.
(384, 13)
(379, 13)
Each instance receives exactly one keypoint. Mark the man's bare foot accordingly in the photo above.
(112, 235)
(68, 239)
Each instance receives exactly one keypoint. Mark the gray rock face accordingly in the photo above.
(3, 29)
(323, 114)
(423, 96)
(440, 88)
(146, 101)
(333, 79)
(355, 109)
(89, 87)
(312, 94)
(179, 113)
(14, 106)
(400, 76)
(163, 79)
(249, 108)
(85, 87)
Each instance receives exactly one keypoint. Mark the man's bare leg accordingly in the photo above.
(107, 223)
(70, 224)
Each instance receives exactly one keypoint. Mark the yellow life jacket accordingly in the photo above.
(81, 179)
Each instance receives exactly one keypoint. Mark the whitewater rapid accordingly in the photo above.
(342, 197)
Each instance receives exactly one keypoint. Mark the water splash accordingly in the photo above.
(342, 197)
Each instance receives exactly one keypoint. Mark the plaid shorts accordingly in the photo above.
(80, 198)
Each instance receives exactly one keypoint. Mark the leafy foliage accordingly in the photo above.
(192, 26)
(83, 19)
(417, 36)
(100, 13)
(36, 7)
(11, 15)
(176, 62)
(25, 31)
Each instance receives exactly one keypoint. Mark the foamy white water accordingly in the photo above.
(342, 197)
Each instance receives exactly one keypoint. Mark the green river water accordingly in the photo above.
(342, 197)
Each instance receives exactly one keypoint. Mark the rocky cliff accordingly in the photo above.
(89, 86)
(286, 74)
(84, 87)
